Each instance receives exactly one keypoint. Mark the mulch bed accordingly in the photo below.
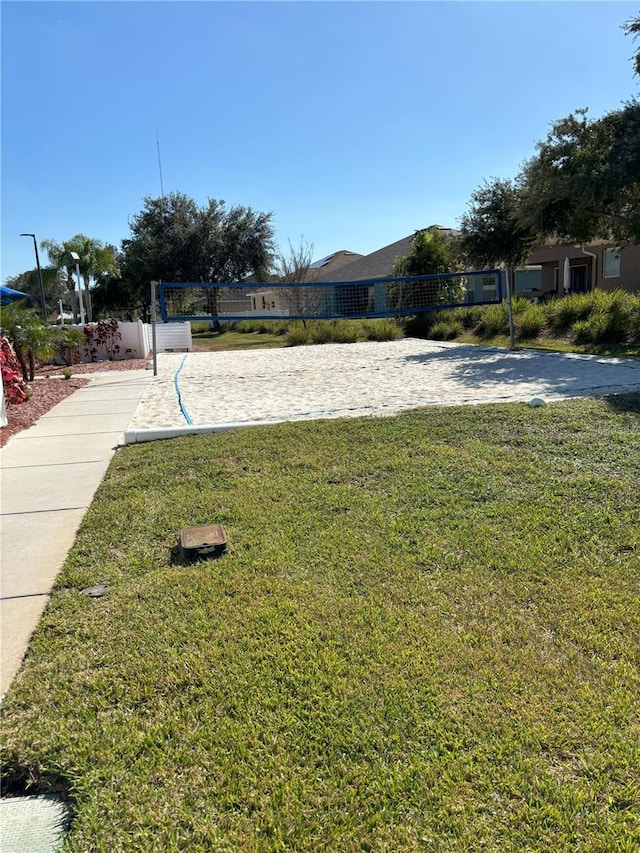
(49, 388)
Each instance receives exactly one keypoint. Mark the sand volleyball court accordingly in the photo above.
(197, 392)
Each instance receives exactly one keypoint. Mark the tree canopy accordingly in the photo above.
(492, 231)
(96, 258)
(173, 239)
(584, 182)
(632, 28)
(431, 253)
(27, 282)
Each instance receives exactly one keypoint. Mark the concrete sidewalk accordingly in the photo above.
(50, 474)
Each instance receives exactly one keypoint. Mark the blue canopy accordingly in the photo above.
(8, 294)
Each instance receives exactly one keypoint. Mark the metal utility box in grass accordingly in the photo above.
(202, 541)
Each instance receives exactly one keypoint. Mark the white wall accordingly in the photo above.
(135, 341)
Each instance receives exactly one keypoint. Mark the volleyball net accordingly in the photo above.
(387, 297)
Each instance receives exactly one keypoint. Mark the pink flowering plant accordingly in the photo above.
(15, 388)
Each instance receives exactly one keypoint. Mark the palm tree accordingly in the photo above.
(96, 259)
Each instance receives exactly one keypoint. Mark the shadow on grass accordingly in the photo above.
(624, 402)
(21, 780)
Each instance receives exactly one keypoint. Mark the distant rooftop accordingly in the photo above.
(378, 264)
(328, 265)
(348, 256)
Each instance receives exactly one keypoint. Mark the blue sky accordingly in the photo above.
(355, 123)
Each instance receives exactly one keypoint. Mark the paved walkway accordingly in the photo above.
(50, 474)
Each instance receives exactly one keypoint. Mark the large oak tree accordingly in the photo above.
(173, 239)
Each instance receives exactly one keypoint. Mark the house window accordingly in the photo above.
(611, 263)
(528, 279)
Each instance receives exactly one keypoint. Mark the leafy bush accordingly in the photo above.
(102, 338)
(69, 346)
(530, 322)
(445, 330)
(381, 330)
(200, 327)
(30, 338)
(14, 386)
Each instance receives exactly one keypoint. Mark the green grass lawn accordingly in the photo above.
(232, 340)
(425, 637)
(558, 343)
(216, 342)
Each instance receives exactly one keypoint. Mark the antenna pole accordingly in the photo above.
(159, 165)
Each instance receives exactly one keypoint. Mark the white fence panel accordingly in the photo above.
(174, 337)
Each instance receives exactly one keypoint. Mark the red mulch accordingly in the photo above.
(47, 392)
(94, 367)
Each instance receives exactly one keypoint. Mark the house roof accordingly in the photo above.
(330, 263)
(378, 264)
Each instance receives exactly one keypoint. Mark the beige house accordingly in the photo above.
(558, 270)
(264, 301)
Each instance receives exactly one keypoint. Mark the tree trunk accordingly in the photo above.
(23, 365)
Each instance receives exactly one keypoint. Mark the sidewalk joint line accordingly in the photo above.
(40, 511)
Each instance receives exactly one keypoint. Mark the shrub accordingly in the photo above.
(15, 388)
(634, 321)
(264, 327)
(200, 327)
(568, 310)
(102, 338)
(494, 321)
(381, 330)
(69, 346)
(419, 325)
(29, 337)
(250, 326)
(297, 335)
(468, 317)
(619, 317)
(590, 330)
(445, 330)
(334, 332)
(530, 322)
(519, 305)
(611, 322)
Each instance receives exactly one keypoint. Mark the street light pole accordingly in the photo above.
(76, 257)
(42, 302)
